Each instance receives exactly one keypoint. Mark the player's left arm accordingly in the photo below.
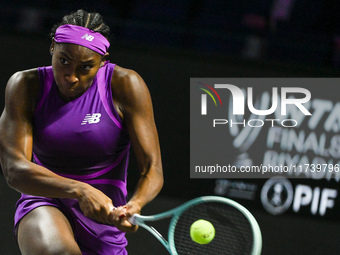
(133, 101)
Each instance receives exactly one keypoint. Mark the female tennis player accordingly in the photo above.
(65, 135)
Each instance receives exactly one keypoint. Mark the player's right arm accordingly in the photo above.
(16, 141)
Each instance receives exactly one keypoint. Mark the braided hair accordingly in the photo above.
(90, 20)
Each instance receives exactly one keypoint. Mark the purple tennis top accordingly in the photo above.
(83, 139)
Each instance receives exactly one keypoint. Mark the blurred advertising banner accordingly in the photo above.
(273, 142)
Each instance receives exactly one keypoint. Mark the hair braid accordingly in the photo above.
(93, 21)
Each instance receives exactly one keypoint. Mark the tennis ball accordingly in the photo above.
(202, 231)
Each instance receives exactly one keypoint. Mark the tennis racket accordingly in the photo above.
(236, 230)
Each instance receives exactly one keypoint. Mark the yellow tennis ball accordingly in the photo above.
(202, 231)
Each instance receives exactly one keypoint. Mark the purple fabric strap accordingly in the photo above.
(82, 36)
(103, 90)
(45, 89)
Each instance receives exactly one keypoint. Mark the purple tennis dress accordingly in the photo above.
(85, 140)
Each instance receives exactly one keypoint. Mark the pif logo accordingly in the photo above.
(278, 195)
(238, 99)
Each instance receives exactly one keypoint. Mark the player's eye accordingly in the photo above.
(87, 67)
(64, 61)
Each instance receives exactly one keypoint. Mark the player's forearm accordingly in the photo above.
(148, 187)
(29, 178)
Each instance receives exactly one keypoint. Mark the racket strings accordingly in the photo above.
(233, 231)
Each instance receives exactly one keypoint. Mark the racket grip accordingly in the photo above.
(133, 219)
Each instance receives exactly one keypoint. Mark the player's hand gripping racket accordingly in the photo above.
(236, 230)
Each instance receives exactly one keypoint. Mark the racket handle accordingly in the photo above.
(133, 219)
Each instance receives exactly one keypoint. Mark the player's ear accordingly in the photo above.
(52, 46)
(104, 58)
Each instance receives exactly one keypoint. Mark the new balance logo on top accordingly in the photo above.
(87, 37)
(91, 118)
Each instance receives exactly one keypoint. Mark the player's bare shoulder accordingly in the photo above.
(127, 84)
(27, 80)
(125, 77)
(23, 86)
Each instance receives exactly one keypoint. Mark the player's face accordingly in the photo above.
(74, 68)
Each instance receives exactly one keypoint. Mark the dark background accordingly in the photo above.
(167, 42)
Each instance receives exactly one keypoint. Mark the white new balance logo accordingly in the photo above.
(91, 118)
(87, 37)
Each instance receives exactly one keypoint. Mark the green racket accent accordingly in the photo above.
(178, 213)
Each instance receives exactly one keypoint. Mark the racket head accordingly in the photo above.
(236, 230)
